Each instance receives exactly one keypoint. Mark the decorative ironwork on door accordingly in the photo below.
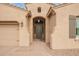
(39, 31)
(39, 28)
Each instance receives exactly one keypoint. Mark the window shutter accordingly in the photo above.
(72, 26)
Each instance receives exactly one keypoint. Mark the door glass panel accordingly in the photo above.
(39, 31)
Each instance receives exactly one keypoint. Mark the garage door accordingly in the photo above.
(8, 34)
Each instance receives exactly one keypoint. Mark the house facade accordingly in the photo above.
(57, 26)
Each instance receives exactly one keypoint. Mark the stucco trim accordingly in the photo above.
(50, 11)
(63, 5)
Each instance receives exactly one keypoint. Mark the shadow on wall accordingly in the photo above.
(52, 24)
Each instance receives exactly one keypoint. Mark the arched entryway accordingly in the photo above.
(39, 28)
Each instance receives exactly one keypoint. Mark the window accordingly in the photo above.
(74, 27)
(77, 27)
(39, 9)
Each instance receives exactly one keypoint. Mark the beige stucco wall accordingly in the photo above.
(34, 13)
(57, 27)
(10, 13)
(60, 36)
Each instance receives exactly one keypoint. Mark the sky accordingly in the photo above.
(21, 5)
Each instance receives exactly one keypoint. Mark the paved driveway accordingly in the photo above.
(38, 48)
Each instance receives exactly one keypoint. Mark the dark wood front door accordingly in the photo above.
(39, 29)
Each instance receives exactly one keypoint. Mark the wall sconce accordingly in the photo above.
(21, 24)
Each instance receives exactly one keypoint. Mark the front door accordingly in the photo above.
(39, 29)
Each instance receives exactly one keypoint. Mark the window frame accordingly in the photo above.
(77, 35)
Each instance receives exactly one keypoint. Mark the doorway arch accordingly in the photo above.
(39, 28)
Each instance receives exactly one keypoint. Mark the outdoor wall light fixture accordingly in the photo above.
(21, 24)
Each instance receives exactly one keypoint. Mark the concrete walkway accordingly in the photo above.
(37, 48)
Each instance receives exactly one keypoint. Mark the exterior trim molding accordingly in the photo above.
(50, 11)
(62, 5)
